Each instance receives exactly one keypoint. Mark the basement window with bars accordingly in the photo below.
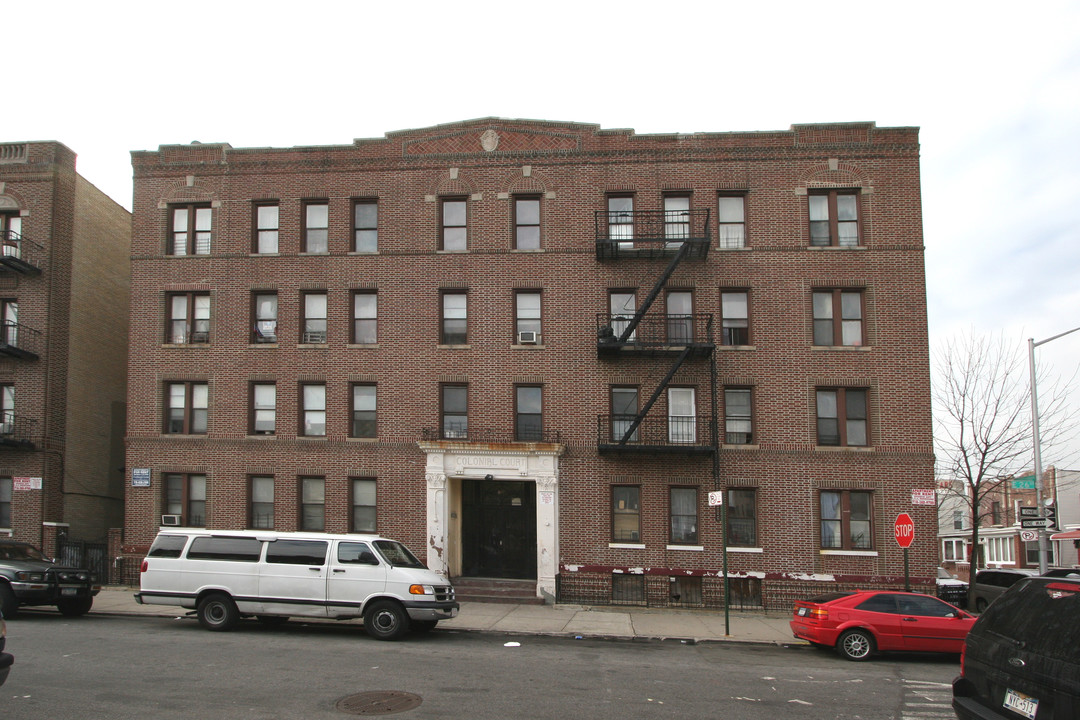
(627, 589)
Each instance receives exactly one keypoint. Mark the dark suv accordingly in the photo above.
(1021, 658)
(989, 584)
(27, 577)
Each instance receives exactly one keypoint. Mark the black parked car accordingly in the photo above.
(1021, 658)
(27, 577)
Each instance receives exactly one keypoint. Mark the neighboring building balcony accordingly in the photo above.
(651, 435)
(655, 335)
(461, 433)
(16, 432)
(19, 341)
(20, 254)
(651, 233)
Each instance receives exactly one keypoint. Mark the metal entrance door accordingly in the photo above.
(498, 529)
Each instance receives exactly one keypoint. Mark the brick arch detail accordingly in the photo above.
(845, 175)
(11, 200)
(446, 185)
(180, 191)
(518, 183)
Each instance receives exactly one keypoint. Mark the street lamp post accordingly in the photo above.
(1032, 344)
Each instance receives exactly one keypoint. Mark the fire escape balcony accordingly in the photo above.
(678, 435)
(20, 254)
(16, 432)
(651, 233)
(654, 336)
(19, 341)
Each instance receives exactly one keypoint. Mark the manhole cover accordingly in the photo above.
(382, 702)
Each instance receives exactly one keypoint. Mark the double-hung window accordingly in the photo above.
(680, 317)
(731, 221)
(185, 495)
(842, 417)
(365, 318)
(316, 227)
(267, 223)
(623, 307)
(363, 410)
(682, 416)
(953, 549)
(314, 320)
(264, 317)
(527, 317)
(453, 226)
(527, 223)
(261, 507)
(455, 412)
(189, 319)
(9, 314)
(455, 316)
(313, 504)
(187, 409)
(620, 210)
(742, 517)
(738, 416)
(7, 485)
(263, 408)
(10, 232)
(626, 513)
(838, 317)
(363, 505)
(7, 409)
(366, 226)
(624, 409)
(528, 411)
(189, 229)
(735, 317)
(683, 503)
(313, 405)
(834, 218)
(676, 219)
(846, 520)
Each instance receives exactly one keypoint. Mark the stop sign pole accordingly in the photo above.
(904, 529)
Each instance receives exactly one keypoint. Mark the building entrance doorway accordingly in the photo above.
(498, 528)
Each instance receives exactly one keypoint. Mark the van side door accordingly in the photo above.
(356, 573)
(292, 579)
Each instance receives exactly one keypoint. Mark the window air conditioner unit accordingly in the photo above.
(527, 338)
(173, 520)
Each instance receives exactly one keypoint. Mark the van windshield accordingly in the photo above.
(1040, 617)
(397, 554)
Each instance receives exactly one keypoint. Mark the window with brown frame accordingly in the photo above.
(313, 504)
(366, 226)
(365, 318)
(7, 409)
(834, 218)
(735, 317)
(263, 408)
(190, 229)
(364, 519)
(527, 318)
(314, 320)
(620, 217)
(313, 407)
(738, 416)
(626, 513)
(455, 322)
(527, 222)
(454, 411)
(742, 517)
(453, 224)
(185, 495)
(261, 504)
(683, 509)
(364, 406)
(731, 221)
(624, 410)
(186, 408)
(267, 223)
(842, 417)
(189, 319)
(316, 227)
(264, 317)
(846, 520)
(528, 413)
(838, 318)
(7, 484)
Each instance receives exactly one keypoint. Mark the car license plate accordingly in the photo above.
(1021, 703)
(802, 612)
(68, 591)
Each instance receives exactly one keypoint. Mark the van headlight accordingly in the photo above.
(30, 577)
(421, 590)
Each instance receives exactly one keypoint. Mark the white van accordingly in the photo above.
(227, 574)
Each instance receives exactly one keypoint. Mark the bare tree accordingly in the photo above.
(982, 418)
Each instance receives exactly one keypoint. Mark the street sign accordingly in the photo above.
(922, 496)
(1036, 522)
(1028, 536)
(1024, 483)
(1029, 511)
(904, 529)
(716, 497)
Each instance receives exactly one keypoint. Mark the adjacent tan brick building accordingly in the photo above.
(532, 349)
(64, 284)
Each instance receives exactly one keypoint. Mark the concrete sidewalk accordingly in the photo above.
(561, 620)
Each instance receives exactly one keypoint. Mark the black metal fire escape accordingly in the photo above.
(678, 236)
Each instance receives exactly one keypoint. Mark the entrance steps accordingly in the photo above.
(496, 590)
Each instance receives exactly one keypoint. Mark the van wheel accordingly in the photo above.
(856, 645)
(386, 620)
(423, 626)
(9, 606)
(218, 612)
(75, 608)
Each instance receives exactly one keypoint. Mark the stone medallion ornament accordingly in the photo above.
(489, 140)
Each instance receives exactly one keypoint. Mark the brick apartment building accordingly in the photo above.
(64, 282)
(530, 350)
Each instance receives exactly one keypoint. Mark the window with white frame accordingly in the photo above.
(999, 549)
(952, 549)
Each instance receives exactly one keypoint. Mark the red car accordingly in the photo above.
(858, 624)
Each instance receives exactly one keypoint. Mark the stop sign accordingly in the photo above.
(904, 530)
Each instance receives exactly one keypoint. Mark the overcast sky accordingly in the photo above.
(994, 89)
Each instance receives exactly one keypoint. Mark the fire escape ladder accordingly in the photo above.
(655, 396)
(654, 293)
